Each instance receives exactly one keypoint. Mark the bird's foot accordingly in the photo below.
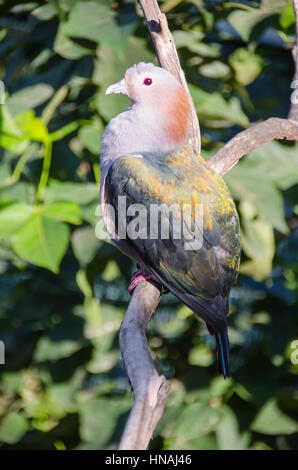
(138, 276)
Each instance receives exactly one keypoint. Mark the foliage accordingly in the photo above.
(64, 292)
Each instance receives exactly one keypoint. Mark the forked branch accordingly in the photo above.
(150, 390)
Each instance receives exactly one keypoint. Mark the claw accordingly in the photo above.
(138, 276)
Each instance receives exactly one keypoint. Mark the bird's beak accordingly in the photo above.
(119, 87)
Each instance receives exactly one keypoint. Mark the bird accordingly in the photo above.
(148, 161)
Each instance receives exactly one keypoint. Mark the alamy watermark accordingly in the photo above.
(157, 221)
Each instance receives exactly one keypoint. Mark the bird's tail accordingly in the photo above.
(223, 356)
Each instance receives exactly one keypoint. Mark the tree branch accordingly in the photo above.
(244, 142)
(150, 390)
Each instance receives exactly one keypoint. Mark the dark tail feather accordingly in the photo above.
(223, 356)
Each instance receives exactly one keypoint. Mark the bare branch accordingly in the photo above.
(167, 55)
(273, 128)
(293, 113)
(150, 390)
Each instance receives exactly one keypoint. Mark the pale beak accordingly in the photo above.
(119, 87)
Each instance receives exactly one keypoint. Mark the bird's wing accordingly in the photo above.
(200, 277)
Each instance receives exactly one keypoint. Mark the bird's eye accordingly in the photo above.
(147, 81)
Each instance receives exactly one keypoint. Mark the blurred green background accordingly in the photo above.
(63, 293)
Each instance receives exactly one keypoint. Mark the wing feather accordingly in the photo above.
(201, 277)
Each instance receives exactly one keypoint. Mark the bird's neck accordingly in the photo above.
(145, 128)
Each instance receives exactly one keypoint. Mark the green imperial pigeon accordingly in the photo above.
(153, 178)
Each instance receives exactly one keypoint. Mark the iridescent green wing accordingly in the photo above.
(200, 277)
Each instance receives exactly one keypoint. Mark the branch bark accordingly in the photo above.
(150, 390)
(273, 128)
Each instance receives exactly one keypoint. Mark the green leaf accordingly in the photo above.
(258, 243)
(84, 283)
(29, 98)
(201, 356)
(203, 442)
(90, 136)
(202, 49)
(13, 217)
(227, 431)
(14, 144)
(187, 38)
(45, 12)
(8, 123)
(195, 419)
(95, 21)
(20, 191)
(276, 162)
(53, 350)
(93, 325)
(111, 271)
(12, 428)
(248, 182)
(81, 193)
(102, 361)
(84, 244)
(247, 65)
(87, 18)
(99, 418)
(287, 16)
(11, 136)
(219, 386)
(62, 395)
(42, 241)
(215, 69)
(244, 21)
(213, 107)
(273, 421)
(31, 126)
(62, 340)
(192, 40)
(67, 48)
(65, 211)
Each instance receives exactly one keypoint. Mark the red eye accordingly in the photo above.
(147, 81)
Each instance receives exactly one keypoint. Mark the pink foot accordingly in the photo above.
(138, 276)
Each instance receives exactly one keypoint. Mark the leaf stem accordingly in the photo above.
(68, 129)
(48, 145)
(97, 172)
(239, 5)
(57, 99)
(22, 162)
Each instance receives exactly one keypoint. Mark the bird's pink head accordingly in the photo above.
(160, 97)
